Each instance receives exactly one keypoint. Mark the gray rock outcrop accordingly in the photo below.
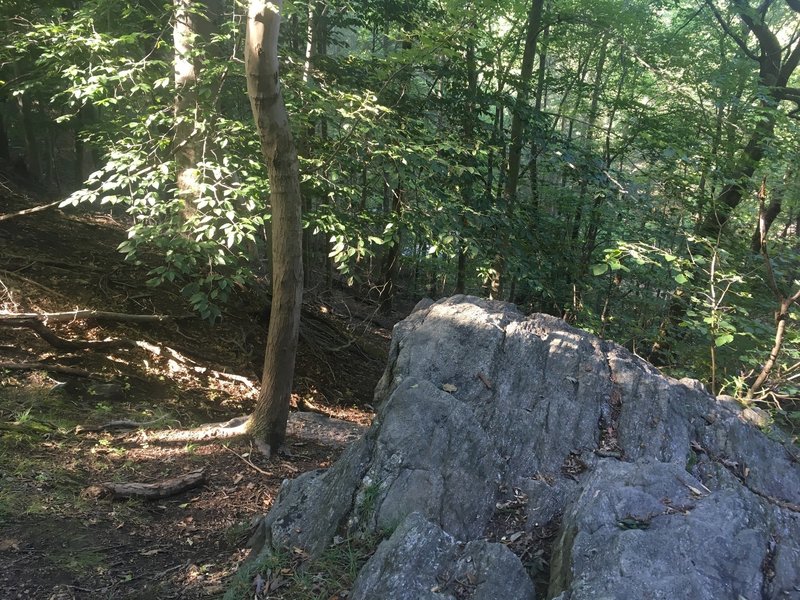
(498, 432)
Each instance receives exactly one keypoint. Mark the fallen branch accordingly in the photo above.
(40, 366)
(9, 319)
(29, 211)
(147, 491)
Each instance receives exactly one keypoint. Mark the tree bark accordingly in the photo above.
(268, 422)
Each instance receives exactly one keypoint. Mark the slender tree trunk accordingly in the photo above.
(523, 93)
(784, 303)
(469, 132)
(268, 423)
(185, 108)
(518, 120)
(537, 110)
(391, 259)
(32, 158)
(5, 151)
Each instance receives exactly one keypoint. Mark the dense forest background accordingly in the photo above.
(628, 165)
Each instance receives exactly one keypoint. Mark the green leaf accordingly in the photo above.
(599, 268)
(723, 339)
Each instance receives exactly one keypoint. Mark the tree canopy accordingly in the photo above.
(600, 161)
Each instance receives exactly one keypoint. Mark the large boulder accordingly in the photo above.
(498, 432)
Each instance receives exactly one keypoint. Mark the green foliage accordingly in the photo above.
(639, 118)
(295, 575)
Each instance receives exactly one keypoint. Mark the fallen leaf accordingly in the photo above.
(449, 388)
(695, 491)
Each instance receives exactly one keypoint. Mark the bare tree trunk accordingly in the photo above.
(784, 303)
(469, 132)
(32, 158)
(195, 22)
(185, 107)
(390, 262)
(518, 120)
(5, 152)
(517, 126)
(268, 423)
(537, 111)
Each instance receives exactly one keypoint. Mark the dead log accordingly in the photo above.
(146, 491)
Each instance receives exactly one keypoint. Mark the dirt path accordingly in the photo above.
(55, 541)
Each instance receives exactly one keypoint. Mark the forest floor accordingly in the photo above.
(58, 540)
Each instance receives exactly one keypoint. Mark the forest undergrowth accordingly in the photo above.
(68, 417)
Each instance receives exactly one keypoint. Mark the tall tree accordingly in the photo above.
(191, 32)
(776, 65)
(518, 120)
(268, 422)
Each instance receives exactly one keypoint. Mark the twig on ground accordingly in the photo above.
(244, 459)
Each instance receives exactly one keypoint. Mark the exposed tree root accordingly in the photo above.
(37, 323)
(115, 425)
(40, 366)
(303, 425)
(55, 340)
(211, 431)
(147, 491)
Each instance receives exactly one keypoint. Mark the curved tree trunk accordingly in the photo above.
(268, 423)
